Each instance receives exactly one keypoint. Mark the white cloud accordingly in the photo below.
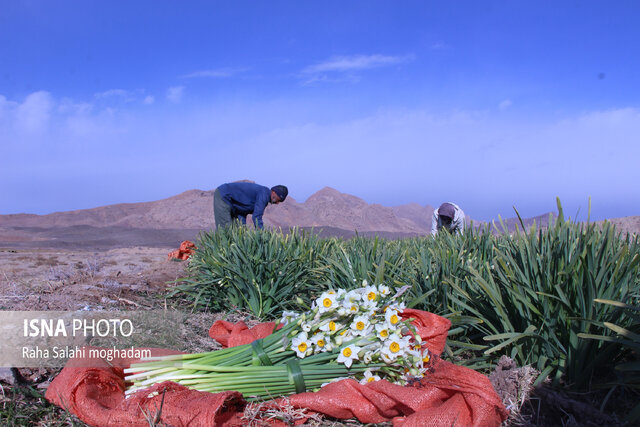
(113, 93)
(505, 104)
(439, 46)
(611, 118)
(69, 106)
(34, 113)
(148, 100)
(324, 78)
(175, 94)
(355, 62)
(6, 105)
(215, 73)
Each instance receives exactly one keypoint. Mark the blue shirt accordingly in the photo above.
(246, 198)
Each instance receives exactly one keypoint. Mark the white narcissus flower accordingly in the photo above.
(360, 326)
(382, 330)
(343, 336)
(398, 306)
(348, 307)
(393, 347)
(391, 316)
(330, 327)
(369, 306)
(370, 294)
(369, 377)
(354, 296)
(326, 302)
(288, 316)
(301, 345)
(384, 290)
(415, 357)
(321, 344)
(386, 358)
(426, 356)
(348, 355)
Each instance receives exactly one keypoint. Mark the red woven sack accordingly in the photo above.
(184, 252)
(449, 395)
(93, 390)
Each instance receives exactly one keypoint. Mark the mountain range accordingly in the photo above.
(167, 222)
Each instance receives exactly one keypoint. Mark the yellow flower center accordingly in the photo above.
(371, 296)
(343, 332)
(360, 326)
(346, 352)
(370, 379)
(394, 347)
(394, 319)
(384, 333)
(426, 359)
(332, 326)
(327, 302)
(354, 308)
(320, 343)
(302, 347)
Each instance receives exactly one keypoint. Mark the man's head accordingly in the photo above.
(278, 194)
(446, 212)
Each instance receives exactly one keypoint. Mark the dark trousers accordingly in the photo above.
(221, 211)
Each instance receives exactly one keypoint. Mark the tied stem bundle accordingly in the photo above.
(346, 334)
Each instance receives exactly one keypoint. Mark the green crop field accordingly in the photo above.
(562, 299)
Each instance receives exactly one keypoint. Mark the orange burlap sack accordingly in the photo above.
(234, 334)
(184, 252)
(93, 390)
(448, 395)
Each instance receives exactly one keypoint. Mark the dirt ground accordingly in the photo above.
(61, 279)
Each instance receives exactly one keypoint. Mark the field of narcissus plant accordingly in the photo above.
(562, 299)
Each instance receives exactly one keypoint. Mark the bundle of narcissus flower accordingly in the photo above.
(347, 334)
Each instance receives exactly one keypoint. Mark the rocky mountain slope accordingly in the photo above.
(166, 222)
(193, 210)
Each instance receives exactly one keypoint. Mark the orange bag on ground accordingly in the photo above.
(93, 390)
(234, 334)
(450, 395)
(184, 252)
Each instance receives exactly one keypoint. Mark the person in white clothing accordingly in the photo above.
(448, 216)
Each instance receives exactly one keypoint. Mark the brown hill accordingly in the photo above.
(166, 222)
(193, 210)
(629, 224)
(329, 207)
(419, 214)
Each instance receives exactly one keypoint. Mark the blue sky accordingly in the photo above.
(490, 104)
